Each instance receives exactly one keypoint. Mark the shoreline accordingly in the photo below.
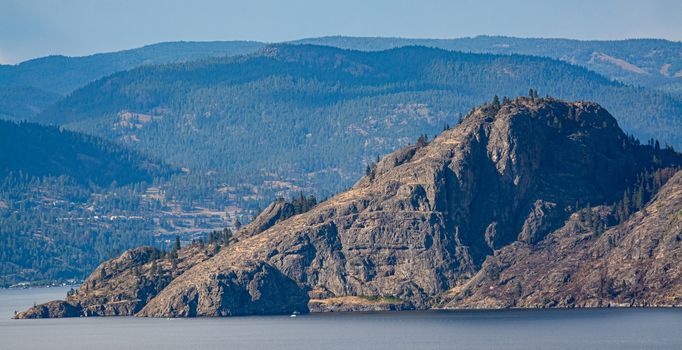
(41, 286)
(384, 312)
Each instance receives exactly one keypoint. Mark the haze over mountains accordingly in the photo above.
(248, 122)
(61, 74)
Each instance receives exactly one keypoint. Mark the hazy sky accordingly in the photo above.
(32, 28)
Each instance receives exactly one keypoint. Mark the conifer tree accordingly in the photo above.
(496, 102)
(176, 244)
(639, 197)
(154, 269)
(626, 204)
(227, 235)
(422, 141)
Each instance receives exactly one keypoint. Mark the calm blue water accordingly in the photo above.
(536, 329)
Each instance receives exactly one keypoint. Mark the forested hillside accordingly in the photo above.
(24, 103)
(316, 116)
(54, 186)
(38, 151)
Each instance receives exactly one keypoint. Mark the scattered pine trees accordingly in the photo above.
(302, 203)
(154, 269)
(176, 244)
(634, 199)
(220, 237)
(371, 169)
(647, 185)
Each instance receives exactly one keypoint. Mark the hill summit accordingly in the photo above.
(425, 221)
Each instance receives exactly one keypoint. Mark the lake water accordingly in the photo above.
(509, 329)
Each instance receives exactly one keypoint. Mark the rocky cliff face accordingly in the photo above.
(633, 264)
(416, 229)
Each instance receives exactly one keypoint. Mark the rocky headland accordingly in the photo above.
(526, 203)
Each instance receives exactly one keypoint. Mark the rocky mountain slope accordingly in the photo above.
(420, 225)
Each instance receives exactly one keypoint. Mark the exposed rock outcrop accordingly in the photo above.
(420, 226)
(52, 309)
(122, 286)
(277, 211)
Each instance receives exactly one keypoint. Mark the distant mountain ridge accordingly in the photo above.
(289, 110)
(22, 103)
(60, 75)
(648, 62)
(653, 63)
